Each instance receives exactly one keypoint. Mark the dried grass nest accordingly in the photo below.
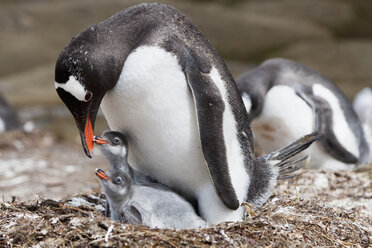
(302, 212)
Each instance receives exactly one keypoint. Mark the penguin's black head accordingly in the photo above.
(114, 138)
(84, 73)
(116, 184)
(114, 146)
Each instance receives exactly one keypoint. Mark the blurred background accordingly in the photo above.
(333, 37)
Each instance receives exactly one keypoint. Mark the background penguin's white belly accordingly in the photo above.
(153, 105)
(285, 117)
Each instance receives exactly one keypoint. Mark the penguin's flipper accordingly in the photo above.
(209, 111)
(324, 123)
(107, 209)
(133, 215)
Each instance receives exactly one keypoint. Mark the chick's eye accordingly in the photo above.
(118, 180)
(116, 140)
(88, 95)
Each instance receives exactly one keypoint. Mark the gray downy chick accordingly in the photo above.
(140, 201)
(114, 146)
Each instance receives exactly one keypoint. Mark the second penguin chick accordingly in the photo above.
(132, 198)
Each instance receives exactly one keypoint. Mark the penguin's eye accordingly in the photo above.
(88, 96)
(118, 180)
(116, 141)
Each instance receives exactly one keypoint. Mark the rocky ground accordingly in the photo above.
(35, 164)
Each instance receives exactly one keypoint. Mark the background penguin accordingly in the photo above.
(362, 105)
(8, 117)
(287, 100)
(130, 198)
(158, 79)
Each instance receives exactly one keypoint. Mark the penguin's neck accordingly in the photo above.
(120, 164)
(118, 204)
(117, 208)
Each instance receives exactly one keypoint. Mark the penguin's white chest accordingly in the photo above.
(153, 105)
(285, 118)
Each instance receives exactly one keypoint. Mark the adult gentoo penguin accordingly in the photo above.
(158, 80)
(286, 100)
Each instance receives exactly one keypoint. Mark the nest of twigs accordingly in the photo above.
(301, 213)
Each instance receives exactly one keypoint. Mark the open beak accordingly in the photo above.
(99, 140)
(101, 174)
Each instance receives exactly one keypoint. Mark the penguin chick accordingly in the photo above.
(140, 201)
(148, 205)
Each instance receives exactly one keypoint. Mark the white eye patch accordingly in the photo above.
(74, 87)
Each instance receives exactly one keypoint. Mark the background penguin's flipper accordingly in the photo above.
(210, 108)
(323, 124)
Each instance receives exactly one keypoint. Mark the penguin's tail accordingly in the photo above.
(283, 160)
(279, 165)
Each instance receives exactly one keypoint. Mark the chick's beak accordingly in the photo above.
(101, 174)
(99, 140)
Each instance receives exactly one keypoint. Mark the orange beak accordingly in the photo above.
(88, 131)
(101, 174)
(99, 140)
